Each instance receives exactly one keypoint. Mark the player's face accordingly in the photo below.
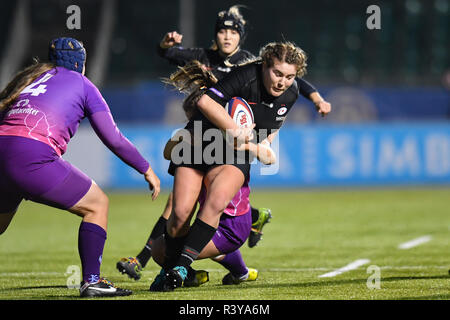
(279, 77)
(227, 41)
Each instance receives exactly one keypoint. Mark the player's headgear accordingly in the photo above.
(229, 20)
(68, 53)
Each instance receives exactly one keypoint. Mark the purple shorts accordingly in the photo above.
(232, 232)
(32, 170)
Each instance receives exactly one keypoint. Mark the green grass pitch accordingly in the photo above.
(312, 233)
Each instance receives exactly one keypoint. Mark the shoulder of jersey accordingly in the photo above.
(248, 72)
(240, 111)
(248, 54)
(242, 56)
(293, 89)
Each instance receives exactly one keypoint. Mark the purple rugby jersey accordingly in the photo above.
(51, 108)
(238, 206)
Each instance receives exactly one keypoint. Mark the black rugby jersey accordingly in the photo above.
(211, 58)
(247, 82)
(181, 56)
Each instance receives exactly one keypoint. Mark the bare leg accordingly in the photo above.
(186, 189)
(93, 207)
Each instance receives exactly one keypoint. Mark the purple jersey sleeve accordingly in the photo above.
(99, 115)
(104, 126)
(93, 99)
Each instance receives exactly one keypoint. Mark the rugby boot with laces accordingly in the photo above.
(131, 266)
(256, 233)
(158, 283)
(102, 288)
(230, 279)
(195, 278)
(174, 278)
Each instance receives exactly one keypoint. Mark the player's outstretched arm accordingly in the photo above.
(171, 39)
(307, 90)
(323, 107)
(104, 126)
(153, 182)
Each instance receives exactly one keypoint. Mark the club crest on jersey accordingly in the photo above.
(240, 111)
(281, 111)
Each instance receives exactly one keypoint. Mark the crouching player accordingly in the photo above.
(233, 231)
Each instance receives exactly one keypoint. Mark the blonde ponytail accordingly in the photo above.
(192, 79)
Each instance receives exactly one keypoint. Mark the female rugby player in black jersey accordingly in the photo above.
(268, 85)
(225, 54)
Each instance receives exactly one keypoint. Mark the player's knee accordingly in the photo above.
(102, 204)
(95, 202)
(218, 202)
(176, 224)
(181, 212)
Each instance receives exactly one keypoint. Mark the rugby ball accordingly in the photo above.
(240, 111)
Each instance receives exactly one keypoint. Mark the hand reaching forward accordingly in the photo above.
(153, 182)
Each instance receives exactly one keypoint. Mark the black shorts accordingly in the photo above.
(244, 168)
(238, 160)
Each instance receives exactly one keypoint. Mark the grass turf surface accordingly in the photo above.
(311, 233)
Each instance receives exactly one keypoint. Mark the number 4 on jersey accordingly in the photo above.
(41, 88)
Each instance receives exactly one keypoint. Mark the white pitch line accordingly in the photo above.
(414, 242)
(351, 266)
(30, 274)
(145, 272)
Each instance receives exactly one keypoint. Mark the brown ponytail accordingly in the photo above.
(21, 81)
(191, 79)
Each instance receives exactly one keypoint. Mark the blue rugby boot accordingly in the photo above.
(158, 283)
(175, 278)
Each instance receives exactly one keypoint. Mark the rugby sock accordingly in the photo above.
(157, 231)
(255, 215)
(173, 250)
(198, 237)
(91, 241)
(234, 263)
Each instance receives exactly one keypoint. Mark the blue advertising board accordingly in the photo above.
(317, 155)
